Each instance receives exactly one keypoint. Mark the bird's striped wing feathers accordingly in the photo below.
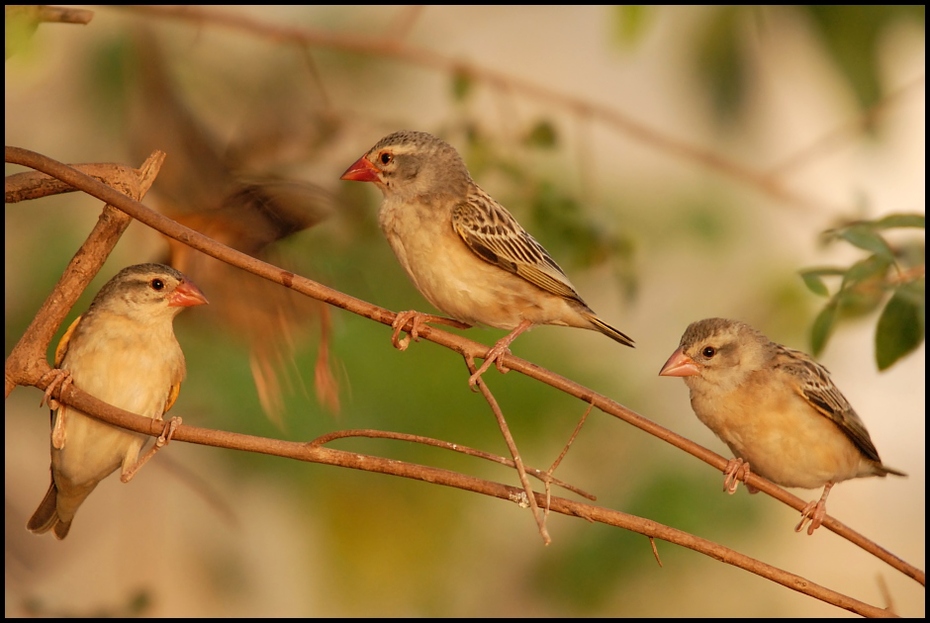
(496, 237)
(818, 389)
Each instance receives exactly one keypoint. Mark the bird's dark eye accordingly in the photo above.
(158, 285)
(709, 351)
(385, 157)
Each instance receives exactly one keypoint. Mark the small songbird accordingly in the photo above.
(124, 352)
(463, 250)
(229, 188)
(776, 408)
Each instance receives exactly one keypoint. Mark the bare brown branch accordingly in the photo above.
(44, 13)
(21, 365)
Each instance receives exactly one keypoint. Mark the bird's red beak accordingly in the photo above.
(679, 364)
(361, 171)
(186, 295)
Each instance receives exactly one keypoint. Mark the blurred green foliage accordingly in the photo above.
(585, 574)
(722, 62)
(889, 275)
(631, 22)
(850, 34)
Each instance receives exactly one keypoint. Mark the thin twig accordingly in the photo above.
(655, 551)
(584, 417)
(514, 452)
(558, 460)
(454, 447)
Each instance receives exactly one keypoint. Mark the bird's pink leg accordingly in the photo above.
(500, 348)
(160, 442)
(815, 511)
(417, 319)
(736, 470)
(59, 380)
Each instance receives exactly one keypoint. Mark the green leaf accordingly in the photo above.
(20, 26)
(630, 21)
(721, 63)
(815, 284)
(462, 84)
(853, 34)
(138, 604)
(813, 279)
(914, 290)
(900, 327)
(872, 267)
(901, 220)
(861, 299)
(542, 135)
(823, 326)
(864, 287)
(864, 236)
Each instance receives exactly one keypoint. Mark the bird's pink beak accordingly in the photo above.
(361, 171)
(679, 364)
(186, 295)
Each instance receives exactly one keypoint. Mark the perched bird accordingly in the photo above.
(463, 250)
(776, 408)
(124, 352)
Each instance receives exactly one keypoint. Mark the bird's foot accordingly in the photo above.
(417, 320)
(815, 511)
(501, 348)
(736, 470)
(58, 381)
(160, 442)
(494, 355)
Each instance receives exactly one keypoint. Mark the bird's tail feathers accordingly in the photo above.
(46, 516)
(610, 332)
(884, 470)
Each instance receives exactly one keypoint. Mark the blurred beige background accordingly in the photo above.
(309, 540)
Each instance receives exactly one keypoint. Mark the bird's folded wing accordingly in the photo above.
(815, 386)
(496, 237)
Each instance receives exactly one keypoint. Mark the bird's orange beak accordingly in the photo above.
(186, 295)
(361, 171)
(679, 364)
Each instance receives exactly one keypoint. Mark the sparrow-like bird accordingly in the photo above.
(463, 250)
(124, 352)
(222, 188)
(776, 408)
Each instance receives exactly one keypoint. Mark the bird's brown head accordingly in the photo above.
(411, 163)
(145, 289)
(717, 350)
